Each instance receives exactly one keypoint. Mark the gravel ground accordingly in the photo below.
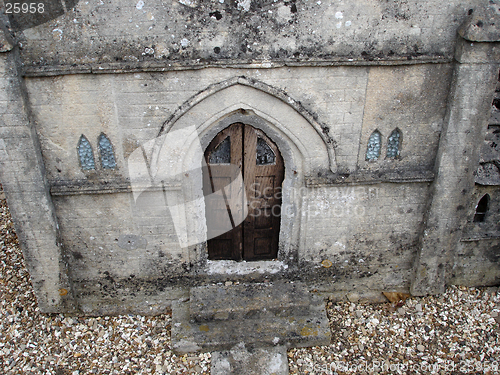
(456, 333)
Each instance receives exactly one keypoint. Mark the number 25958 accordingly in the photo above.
(24, 8)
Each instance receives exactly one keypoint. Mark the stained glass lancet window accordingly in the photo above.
(106, 151)
(393, 144)
(374, 144)
(265, 154)
(222, 153)
(85, 154)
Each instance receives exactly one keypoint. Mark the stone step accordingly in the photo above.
(216, 335)
(241, 360)
(267, 327)
(218, 302)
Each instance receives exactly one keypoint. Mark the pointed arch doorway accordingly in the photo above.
(261, 165)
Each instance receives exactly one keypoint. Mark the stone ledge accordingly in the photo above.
(82, 187)
(155, 66)
(481, 237)
(359, 178)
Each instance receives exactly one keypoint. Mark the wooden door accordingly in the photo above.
(248, 150)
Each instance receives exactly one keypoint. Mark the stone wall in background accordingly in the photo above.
(379, 108)
(193, 32)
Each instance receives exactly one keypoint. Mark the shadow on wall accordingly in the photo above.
(26, 15)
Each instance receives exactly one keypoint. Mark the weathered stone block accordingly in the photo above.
(255, 322)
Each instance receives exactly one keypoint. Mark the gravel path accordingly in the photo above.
(455, 333)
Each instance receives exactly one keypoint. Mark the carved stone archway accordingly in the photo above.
(306, 150)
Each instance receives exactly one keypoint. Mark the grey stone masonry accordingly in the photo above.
(99, 36)
(378, 108)
(257, 361)
(283, 297)
(26, 190)
(253, 317)
(469, 106)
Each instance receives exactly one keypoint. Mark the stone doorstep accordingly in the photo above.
(217, 302)
(270, 327)
(243, 361)
(217, 335)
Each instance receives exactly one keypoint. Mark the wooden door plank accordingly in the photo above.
(226, 245)
(249, 151)
(263, 183)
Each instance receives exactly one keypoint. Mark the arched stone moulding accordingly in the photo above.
(275, 96)
(304, 150)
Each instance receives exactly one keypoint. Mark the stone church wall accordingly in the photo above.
(322, 79)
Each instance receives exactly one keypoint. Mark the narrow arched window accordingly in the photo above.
(85, 154)
(482, 208)
(106, 152)
(374, 144)
(393, 144)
